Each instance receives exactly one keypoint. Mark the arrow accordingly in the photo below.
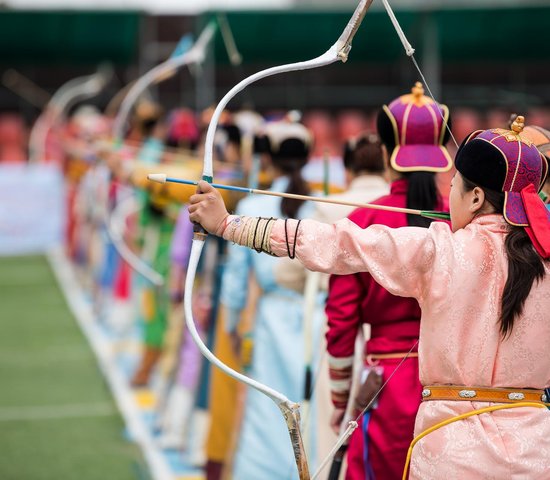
(162, 178)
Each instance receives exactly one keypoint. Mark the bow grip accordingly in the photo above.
(199, 233)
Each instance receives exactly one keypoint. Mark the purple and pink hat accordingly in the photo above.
(417, 127)
(508, 161)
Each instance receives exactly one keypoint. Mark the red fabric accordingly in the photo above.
(122, 283)
(355, 464)
(391, 425)
(539, 221)
(395, 324)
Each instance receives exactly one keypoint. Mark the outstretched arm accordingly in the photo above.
(399, 259)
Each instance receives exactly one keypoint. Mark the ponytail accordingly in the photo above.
(290, 157)
(298, 186)
(525, 266)
(421, 195)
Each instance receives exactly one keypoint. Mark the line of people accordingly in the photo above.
(395, 311)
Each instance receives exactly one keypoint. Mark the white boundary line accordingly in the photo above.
(83, 313)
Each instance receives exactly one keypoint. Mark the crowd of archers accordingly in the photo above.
(455, 312)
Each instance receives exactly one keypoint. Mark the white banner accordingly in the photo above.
(31, 208)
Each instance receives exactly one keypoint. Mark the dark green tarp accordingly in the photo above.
(78, 37)
(464, 35)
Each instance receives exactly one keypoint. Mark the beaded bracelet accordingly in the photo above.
(263, 245)
(293, 254)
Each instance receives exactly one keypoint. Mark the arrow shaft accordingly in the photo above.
(331, 201)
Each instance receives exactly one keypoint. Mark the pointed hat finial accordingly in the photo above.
(518, 125)
(417, 90)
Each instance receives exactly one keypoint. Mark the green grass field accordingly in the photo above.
(57, 417)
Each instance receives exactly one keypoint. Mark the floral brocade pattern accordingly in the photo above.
(458, 279)
(514, 209)
(507, 444)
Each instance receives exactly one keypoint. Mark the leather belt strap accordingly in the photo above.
(372, 357)
(483, 394)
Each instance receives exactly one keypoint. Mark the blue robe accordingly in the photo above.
(264, 450)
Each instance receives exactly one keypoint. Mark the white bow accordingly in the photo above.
(290, 410)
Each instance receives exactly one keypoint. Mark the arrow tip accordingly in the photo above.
(157, 177)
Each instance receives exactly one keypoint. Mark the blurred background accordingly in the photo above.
(487, 54)
(73, 335)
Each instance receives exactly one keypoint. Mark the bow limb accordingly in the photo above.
(195, 54)
(330, 56)
(290, 410)
(337, 52)
(115, 227)
(81, 88)
(68, 94)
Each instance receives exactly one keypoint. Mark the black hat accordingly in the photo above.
(507, 161)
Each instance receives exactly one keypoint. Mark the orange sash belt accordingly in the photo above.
(483, 394)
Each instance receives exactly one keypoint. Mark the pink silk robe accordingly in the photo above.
(458, 279)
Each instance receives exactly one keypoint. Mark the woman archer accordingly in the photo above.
(414, 131)
(483, 289)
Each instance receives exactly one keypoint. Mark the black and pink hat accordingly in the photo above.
(508, 161)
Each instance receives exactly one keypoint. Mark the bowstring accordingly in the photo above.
(425, 82)
(324, 463)
(409, 50)
(377, 394)
(410, 53)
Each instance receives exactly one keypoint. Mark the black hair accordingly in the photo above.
(233, 134)
(422, 194)
(148, 125)
(364, 154)
(290, 157)
(525, 266)
(422, 191)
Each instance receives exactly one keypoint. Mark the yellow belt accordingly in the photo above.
(514, 397)
(461, 417)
